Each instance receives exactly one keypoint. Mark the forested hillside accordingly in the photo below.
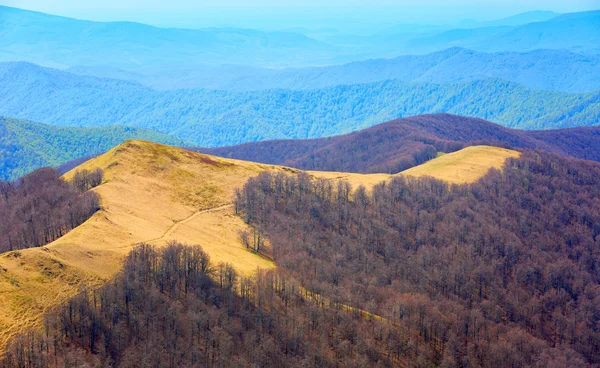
(400, 144)
(216, 118)
(499, 273)
(173, 307)
(41, 207)
(26, 146)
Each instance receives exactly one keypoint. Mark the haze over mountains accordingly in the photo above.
(69, 42)
(556, 70)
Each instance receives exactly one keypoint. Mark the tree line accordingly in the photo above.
(502, 272)
(41, 207)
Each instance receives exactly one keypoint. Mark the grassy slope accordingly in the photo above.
(151, 193)
(464, 166)
(26, 146)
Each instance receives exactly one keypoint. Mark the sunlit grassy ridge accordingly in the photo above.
(464, 166)
(155, 193)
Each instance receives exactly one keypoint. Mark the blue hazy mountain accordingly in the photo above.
(64, 42)
(512, 21)
(577, 32)
(556, 70)
(59, 41)
(213, 118)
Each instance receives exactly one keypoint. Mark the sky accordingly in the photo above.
(282, 14)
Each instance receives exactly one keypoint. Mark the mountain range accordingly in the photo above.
(577, 32)
(69, 42)
(137, 47)
(218, 118)
(556, 70)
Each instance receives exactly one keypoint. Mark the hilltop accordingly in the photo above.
(150, 193)
(464, 166)
(403, 143)
(26, 146)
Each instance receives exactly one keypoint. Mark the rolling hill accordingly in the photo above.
(217, 118)
(400, 144)
(150, 193)
(26, 146)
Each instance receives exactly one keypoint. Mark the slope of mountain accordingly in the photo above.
(213, 118)
(556, 70)
(26, 146)
(505, 266)
(69, 42)
(403, 143)
(150, 193)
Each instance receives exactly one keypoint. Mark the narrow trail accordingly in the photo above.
(177, 224)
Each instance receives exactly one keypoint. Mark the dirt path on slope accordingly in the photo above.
(177, 224)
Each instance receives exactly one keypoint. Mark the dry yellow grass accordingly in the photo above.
(465, 166)
(153, 193)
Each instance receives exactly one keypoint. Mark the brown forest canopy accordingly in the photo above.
(503, 272)
(403, 143)
(41, 207)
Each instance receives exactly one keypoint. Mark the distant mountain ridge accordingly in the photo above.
(555, 70)
(576, 32)
(68, 42)
(400, 144)
(26, 146)
(138, 47)
(515, 20)
(218, 118)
